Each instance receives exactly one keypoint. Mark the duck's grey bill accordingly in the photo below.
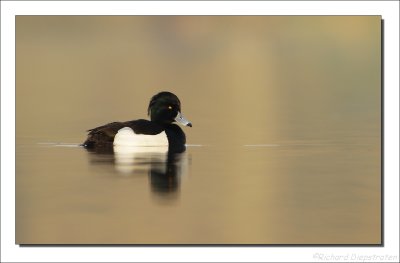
(180, 119)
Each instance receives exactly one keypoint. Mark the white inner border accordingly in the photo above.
(389, 10)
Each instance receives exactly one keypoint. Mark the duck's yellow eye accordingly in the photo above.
(170, 107)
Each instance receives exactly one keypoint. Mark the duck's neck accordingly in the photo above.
(176, 138)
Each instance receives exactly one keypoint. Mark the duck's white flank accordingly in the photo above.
(126, 137)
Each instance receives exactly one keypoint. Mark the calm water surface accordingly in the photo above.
(285, 192)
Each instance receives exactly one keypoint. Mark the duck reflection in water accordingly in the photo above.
(164, 168)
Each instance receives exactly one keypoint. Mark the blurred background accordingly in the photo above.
(239, 77)
(309, 85)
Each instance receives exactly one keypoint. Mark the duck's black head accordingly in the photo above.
(165, 108)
